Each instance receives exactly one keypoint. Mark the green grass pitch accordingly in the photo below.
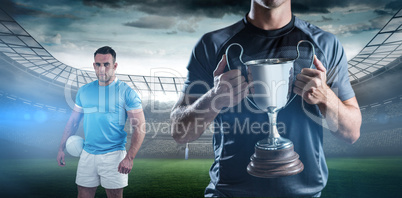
(349, 177)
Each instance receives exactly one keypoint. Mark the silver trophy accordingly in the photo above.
(272, 81)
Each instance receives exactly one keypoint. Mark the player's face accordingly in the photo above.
(105, 68)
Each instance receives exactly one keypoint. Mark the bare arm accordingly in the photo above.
(137, 122)
(343, 117)
(69, 130)
(191, 116)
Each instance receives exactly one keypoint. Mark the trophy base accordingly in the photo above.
(274, 163)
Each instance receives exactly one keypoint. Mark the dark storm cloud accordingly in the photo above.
(320, 6)
(374, 24)
(163, 22)
(218, 8)
(383, 12)
(15, 9)
(325, 19)
(206, 8)
(152, 22)
(394, 5)
(171, 32)
(105, 3)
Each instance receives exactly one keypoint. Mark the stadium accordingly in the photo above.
(37, 93)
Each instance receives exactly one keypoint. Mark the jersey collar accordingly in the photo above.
(111, 84)
(269, 33)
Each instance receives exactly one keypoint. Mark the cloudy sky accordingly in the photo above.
(150, 36)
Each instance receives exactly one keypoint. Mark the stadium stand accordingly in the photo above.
(40, 126)
(381, 132)
(35, 110)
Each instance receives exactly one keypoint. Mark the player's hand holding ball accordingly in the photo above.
(74, 147)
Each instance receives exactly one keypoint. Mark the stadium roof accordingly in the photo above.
(27, 54)
(380, 53)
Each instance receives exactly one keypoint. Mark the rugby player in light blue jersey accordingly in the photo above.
(105, 105)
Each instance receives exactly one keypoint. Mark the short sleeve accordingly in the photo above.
(338, 75)
(78, 99)
(200, 70)
(132, 100)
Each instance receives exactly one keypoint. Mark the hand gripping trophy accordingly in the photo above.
(272, 80)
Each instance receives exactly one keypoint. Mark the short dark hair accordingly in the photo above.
(106, 50)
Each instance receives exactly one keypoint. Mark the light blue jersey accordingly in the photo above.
(105, 115)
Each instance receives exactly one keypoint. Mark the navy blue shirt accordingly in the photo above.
(235, 128)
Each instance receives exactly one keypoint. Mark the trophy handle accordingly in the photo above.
(242, 64)
(312, 48)
(298, 55)
(240, 57)
(241, 60)
(297, 49)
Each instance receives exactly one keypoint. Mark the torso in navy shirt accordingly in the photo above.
(234, 140)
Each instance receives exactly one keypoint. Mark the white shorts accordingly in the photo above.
(95, 170)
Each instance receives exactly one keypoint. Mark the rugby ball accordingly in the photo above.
(74, 145)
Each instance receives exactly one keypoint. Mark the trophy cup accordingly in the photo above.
(272, 80)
